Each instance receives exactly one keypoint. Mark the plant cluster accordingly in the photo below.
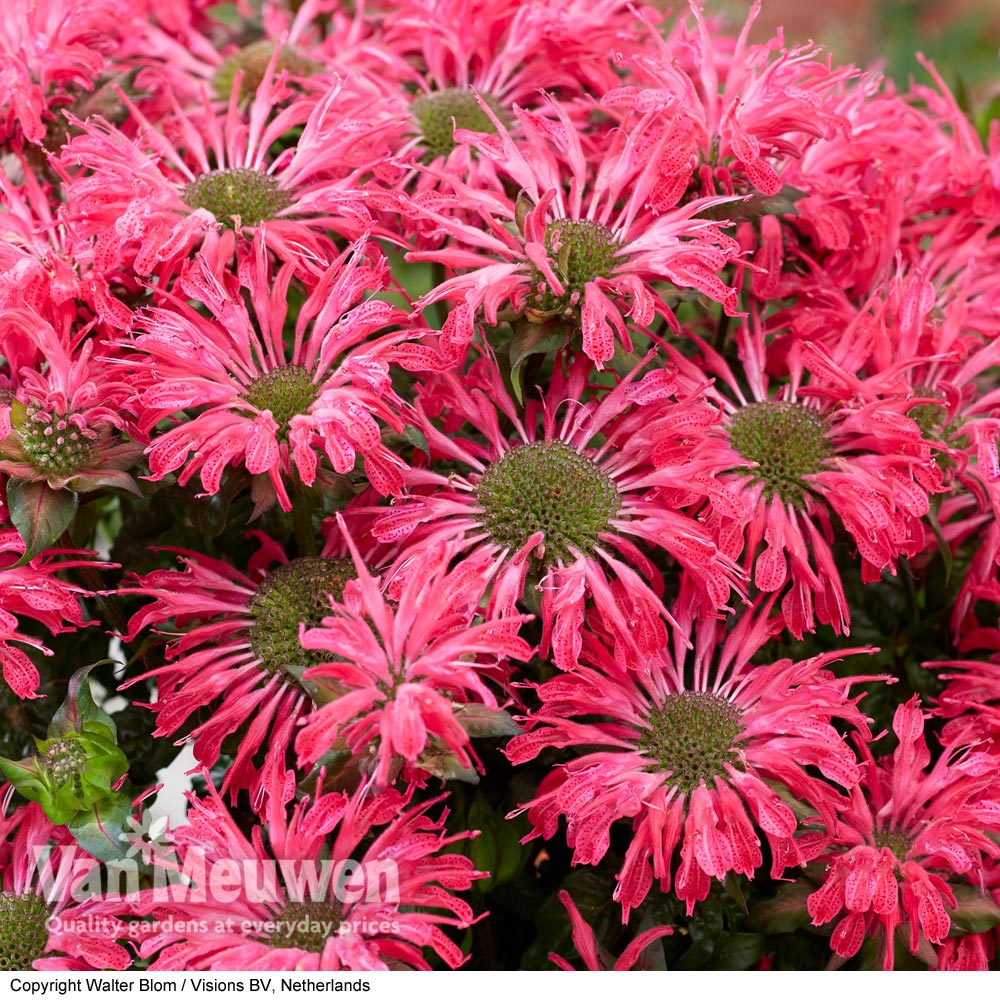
(541, 447)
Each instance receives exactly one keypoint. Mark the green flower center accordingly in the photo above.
(24, 931)
(63, 761)
(580, 251)
(306, 925)
(286, 392)
(787, 441)
(550, 488)
(290, 595)
(253, 60)
(54, 444)
(693, 736)
(929, 417)
(438, 114)
(250, 195)
(895, 840)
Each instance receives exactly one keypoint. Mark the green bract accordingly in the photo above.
(79, 763)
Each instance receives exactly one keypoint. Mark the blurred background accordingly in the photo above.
(961, 36)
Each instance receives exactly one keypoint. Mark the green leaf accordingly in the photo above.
(988, 114)
(478, 721)
(739, 951)
(535, 338)
(522, 207)
(510, 852)
(79, 706)
(530, 337)
(101, 830)
(624, 362)
(25, 776)
(40, 514)
(976, 911)
(757, 205)
(443, 764)
(482, 850)
(786, 912)
(735, 892)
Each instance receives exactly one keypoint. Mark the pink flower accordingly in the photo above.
(823, 450)
(34, 591)
(44, 926)
(274, 408)
(686, 747)
(587, 947)
(506, 53)
(272, 919)
(395, 679)
(565, 502)
(235, 653)
(64, 422)
(586, 258)
(147, 202)
(907, 836)
(733, 117)
(50, 51)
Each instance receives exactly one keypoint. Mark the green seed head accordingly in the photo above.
(306, 925)
(253, 60)
(24, 933)
(292, 594)
(250, 195)
(434, 113)
(787, 441)
(580, 251)
(897, 842)
(54, 445)
(929, 417)
(286, 392)
(63, 760)
(551, 488)
(693, 736)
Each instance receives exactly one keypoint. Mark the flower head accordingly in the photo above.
(34, 591)
(146, 203)
(50, 52)
(563, 504)
(64, 422)
(910, 833)
(272, 407)
(579, 243)
(700, 752)
(824, 450)
(395, 678)
(43, 925)
(236, 654)
(301, 909)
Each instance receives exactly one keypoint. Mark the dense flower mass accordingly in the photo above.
(396, 677)
(466, 446)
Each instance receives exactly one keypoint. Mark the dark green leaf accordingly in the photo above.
(479, 721)
(40, 514)
(787, 911)
(101, 830)
(739, 952)
(976, 911)
(79, 706)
